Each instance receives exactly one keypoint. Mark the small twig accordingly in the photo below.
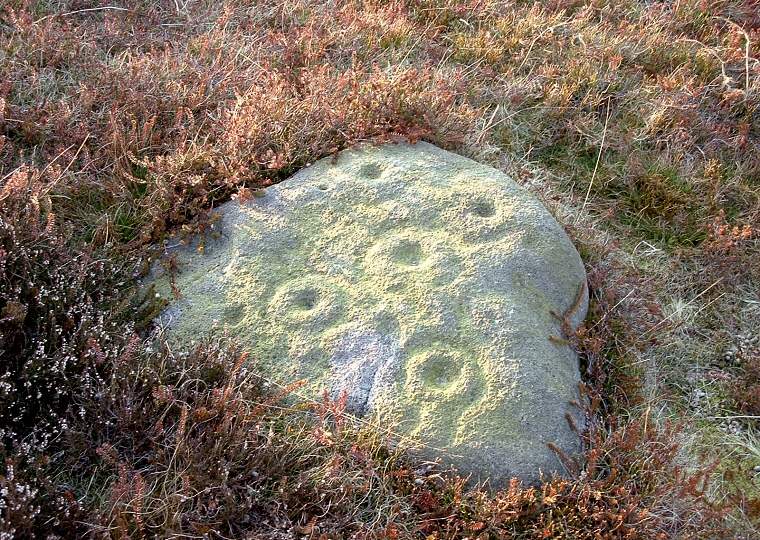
(535, 40)
(75, 155)
(488, 126)
(747, 43)
(14, 171)
(726, 79)
(613, 308)
(564, 319)
(735, 417)
(50, 164)
(422, 35)
(666, 319)
(596, 166)
(102, 8)
(4, 178)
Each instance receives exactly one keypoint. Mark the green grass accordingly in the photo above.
(121, 125)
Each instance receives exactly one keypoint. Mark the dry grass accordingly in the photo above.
(636, 123)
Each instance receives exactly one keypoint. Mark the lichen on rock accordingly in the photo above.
(419, 282)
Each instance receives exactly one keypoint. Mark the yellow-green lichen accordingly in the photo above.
(418, 282)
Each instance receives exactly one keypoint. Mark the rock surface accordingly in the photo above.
(419, 282)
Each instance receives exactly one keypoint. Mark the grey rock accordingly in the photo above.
(419, 282)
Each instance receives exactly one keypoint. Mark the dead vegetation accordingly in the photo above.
(637, 123)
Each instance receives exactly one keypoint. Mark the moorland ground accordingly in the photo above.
(124, 123)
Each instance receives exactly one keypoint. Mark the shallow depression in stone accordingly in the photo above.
(306, 301)
(440, 370)
(398, 254)
(435, 369)
(478, 219)
(370, 170)
(407, 253)
(483, 208)
(234, 313)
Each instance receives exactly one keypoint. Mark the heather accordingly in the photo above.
(123, 125)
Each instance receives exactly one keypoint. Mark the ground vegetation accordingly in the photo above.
(123, 124)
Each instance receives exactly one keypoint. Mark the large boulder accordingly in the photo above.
(419, 282)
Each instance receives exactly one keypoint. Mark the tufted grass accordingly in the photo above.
(124, 124)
